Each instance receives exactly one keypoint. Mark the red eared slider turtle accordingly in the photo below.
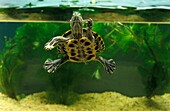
(78, 45)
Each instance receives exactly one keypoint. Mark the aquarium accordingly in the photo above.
(82, 62)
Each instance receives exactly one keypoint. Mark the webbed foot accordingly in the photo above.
(109, 65)
(51, 66)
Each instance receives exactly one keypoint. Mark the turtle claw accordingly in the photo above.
(109, 65)
(51, 66)
(48, 47)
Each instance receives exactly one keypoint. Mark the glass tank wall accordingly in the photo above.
(141, 51)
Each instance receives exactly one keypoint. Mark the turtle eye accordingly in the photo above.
(76, 14)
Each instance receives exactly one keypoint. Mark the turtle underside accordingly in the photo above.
(81, 50)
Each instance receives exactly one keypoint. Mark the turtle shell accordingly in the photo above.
(81, 50)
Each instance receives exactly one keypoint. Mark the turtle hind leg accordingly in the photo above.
(109, 65)
(52, 65)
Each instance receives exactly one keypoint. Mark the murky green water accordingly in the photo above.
(141, 52)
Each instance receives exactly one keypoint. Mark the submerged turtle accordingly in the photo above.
(78, 45)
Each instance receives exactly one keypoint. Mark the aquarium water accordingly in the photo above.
(104, 66)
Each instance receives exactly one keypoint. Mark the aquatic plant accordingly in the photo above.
(149, 45)
(15, 56)
(29, 49)
(154, 68)
(10, 63)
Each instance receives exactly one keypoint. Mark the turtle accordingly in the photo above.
(78, 45)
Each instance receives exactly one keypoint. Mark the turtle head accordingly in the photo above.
(76, 17)
(76, 24)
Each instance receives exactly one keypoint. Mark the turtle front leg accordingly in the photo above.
(109, 65)
(89, 24)
(52, 65)
(54, 41)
